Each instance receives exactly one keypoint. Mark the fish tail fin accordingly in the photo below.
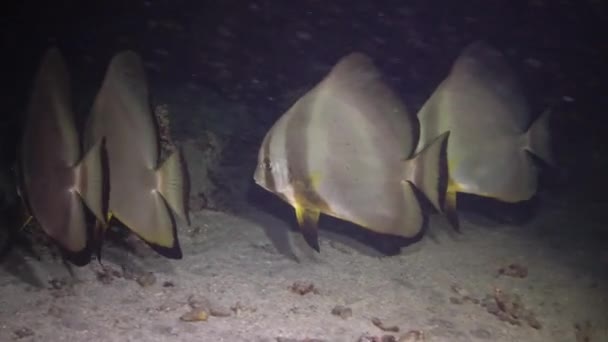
(171, 184)
(89, 175)
(428, 171)
(538, 138)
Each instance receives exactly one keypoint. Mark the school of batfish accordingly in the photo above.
(348, 148)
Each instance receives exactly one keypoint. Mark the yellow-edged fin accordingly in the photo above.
(307, 220)
(99, 233)
(308, 208)
(451, 197)
(450, 205)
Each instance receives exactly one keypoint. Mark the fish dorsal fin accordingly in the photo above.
(354, 70)
(480, 57)
(126, 71)
(358, 84)
(123, 100)
(52, 97)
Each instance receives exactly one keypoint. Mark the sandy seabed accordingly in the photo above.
(255, 279)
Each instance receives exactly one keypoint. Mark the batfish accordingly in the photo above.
(141, 193)
(345, 149)
(56, 178)
(491, 134)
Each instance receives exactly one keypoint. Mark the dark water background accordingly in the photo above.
(257, 52)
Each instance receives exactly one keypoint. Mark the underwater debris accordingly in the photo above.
(383, 338)
(62, 287)
(303, 287)
(378, 323)
(107, 273)
(104, 277)
(208, 306)
(342, 311)
(168, 284)
(23, 333)
(195, 315)
(514, 270)
(239, 307)
(147, 279)
(509, 308)
(412, 336)
(463, 296)
(168, 306)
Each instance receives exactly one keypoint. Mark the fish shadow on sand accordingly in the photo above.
(139, 259)
(362, 240)
(16, 264)
(488, 212)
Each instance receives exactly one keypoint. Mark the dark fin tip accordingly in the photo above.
(309, 231)
(173, 252)
(313, 241)
(83, 257)
(452, 217)
(99, 239)
(444, 173)
(80, 258)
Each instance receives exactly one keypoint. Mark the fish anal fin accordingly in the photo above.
(89, 180)
(166, 242)
(308, 220)
(159, 232)
(171, 184)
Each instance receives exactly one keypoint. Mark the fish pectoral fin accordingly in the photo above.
(307, 220)
(171, 184)
(90, 180)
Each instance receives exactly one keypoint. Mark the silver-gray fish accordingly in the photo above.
(56, 178)
(141, 192)
(345, 149)
(491, 134)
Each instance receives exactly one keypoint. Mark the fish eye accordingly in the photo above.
(266, 163)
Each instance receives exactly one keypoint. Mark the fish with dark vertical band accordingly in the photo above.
(57, 180)
(345, 149)
(142, 193)
(491, 132)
